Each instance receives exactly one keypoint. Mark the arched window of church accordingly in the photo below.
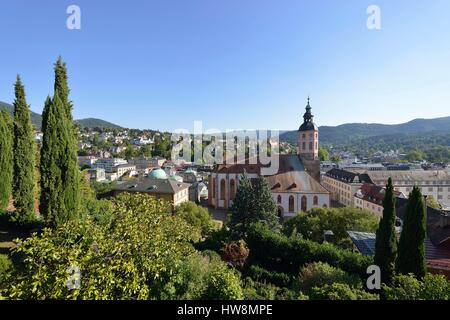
(304, 204)
(310, 146)
(304, 136)
(223, 186)
(213, 187)
(303, 146)
(316, 200)
(279, 199)
(232, 189)
(291, 204)
(317, 146)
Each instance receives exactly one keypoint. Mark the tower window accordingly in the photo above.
(304, 146)
(310, 146)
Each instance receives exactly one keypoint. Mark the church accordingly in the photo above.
(295, 187)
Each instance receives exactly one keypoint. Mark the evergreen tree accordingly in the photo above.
(386, 241)
(6, 159)
(411, 248)
(253, 203)
(60, 176)
(24, 157)
(52, 197)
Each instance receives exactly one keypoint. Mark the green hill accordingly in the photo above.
(36, 119)
(346, 133)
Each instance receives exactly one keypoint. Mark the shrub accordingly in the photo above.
(274, 251)
(319, 274)
(5, 268)
(340, 291)
(235, 253)
(262, 275)
(408, 287)
(223, 284)
(196, 216)
(311, 225)
(254, 290)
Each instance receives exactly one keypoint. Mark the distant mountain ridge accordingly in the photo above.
(36, 119)
(346, 133)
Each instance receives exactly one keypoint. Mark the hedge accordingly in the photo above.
(262, 275)
(274, 251)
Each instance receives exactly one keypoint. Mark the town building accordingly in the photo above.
(157, 185)
(123, 169)
(370, 197)
(97, 174)
(343, 185)
(296, 186)
(435, 183)
(109, 163)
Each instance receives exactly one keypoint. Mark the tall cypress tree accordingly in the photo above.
(6, 159)
(52, 197)
(386, 241)
(411, 248)
(60, 175)
(24, 156)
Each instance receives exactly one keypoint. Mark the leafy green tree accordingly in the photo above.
(24, 157)
(433, 203)
(196, 216)
(312, 225)
(60, 177)
(386, 238)
(411, 247)
(224, 284)
(319, 274)
(139, 255)
(253, 203)
(408, 287)
(6, 159)
(336, 158)
(340, 291)
(323, 154)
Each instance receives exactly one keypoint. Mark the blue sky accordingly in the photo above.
(233, 64)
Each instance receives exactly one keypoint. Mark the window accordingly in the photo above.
(310, 146)
(232, 189)
(279, 199)
(303, 146)
(222, 189)
(291, 204)
(304, 204)
(213, 186)
(316, 200)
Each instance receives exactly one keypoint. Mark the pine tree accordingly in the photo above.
(24, 157)
(60, 175)
(6, 159)
(411, 248)
(253, 203)
(386, 240)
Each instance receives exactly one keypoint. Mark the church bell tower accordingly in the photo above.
(308, 137)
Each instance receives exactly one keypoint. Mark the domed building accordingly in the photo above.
(159, 185)
(158, 174)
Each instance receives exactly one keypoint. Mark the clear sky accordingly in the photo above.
(233, 64)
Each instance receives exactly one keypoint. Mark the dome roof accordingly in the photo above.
(158, 174)
(176, 178)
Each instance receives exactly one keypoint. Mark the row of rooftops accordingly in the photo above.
(407, 177)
